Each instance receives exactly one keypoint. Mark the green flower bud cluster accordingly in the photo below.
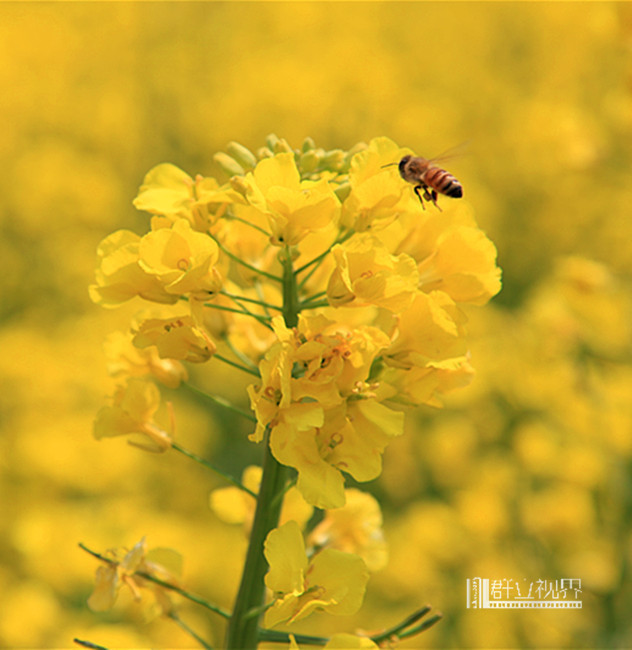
(311, 161)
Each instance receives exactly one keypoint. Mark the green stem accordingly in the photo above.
(174, 617)
(420, 628)
(252, 300)
(242, 629)
(272, 636)
(234, 257)
(247, 361)
(316, 262)
(259, 291)
(243, 626)
(205, 463)
(250, 371)
(220, 401)
(252, 225)
(243, 311)
(314, 305)
(399, 631)
(291, 303)
(186, 594)
(89, 644)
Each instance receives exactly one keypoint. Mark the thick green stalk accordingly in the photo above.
(243, 628)
(291, 303)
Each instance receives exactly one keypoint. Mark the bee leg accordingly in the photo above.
(433, 198)
(417, 188)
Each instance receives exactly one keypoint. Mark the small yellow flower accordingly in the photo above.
(162, 563)
(320, 484)
(331, 580)
(453, 255)
(423, 385)
(351, 438)
(119, 276)
(113, 575)
(126, 360)
(366, 274)
(132, 413)
(181, 259)
(294, 208)
(171, 192)
(354, 528)
(377, 194)
(175, 338)
(430, 330)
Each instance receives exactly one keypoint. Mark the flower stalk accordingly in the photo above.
(243, 627)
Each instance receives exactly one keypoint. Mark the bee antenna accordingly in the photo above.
(390, 165)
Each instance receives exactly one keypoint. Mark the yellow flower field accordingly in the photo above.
(123, 126)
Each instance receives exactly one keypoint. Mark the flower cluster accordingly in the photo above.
(320, 275)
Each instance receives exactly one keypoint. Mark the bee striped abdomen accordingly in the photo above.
(443, 182)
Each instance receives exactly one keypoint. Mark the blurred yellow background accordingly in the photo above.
(526, 474)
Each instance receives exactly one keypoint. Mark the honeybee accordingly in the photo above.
(430, 178)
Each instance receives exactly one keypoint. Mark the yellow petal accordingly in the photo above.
(343, 576)
(285, 552)
(166, 190)
(105, 590)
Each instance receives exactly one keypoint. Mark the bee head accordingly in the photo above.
(402, 163)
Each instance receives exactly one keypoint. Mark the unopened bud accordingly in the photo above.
(309, 161)
(264, 152)
(282, 146)
(228, 164)
(271, 141)
(308, 145)
(239, 184)
(334, 159)
(242, 155)
(342, 191)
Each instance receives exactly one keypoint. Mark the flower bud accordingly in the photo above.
(228, 164)
(334, 159)
(239, 185)
(242, 155)
(282, 146)
(264, 152)
(309, 161)
(271, 141)
(342, 191)
(308, 144)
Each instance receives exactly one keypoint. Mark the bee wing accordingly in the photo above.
(453, 152)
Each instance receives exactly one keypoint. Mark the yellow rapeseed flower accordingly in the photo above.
(131, 413)
(332, 581)
(119, 276)
(294, 208)
(175, 338)
(171, 192)
(124, 359)
(354, 528)
(181, 259)
(377, 196)
(366, 274)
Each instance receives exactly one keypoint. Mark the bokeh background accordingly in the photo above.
(524, 475)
